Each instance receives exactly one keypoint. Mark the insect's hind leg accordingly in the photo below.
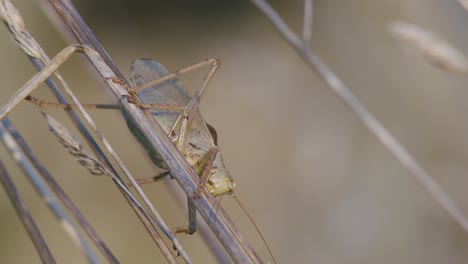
(185, 119)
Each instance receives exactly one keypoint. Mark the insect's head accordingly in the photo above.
(220, 182)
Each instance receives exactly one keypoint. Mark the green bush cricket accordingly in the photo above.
(178, 114)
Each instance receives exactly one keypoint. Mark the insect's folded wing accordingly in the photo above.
(169, 92)
(199, 130)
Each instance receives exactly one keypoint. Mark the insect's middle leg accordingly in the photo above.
(153, 179)
(46, 104)
(192, 226)
(210, 157)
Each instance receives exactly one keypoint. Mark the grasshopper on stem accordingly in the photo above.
(177, 113)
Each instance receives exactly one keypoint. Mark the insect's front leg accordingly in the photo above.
(46, 104)
(210, 157)
(41, 76)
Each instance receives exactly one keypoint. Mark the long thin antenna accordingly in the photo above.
(255, 226)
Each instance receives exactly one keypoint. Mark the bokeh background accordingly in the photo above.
(319, 185)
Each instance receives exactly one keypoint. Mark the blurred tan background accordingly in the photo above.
(320, 186)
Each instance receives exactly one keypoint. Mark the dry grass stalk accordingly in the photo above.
(74, 146)
(433, 48)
